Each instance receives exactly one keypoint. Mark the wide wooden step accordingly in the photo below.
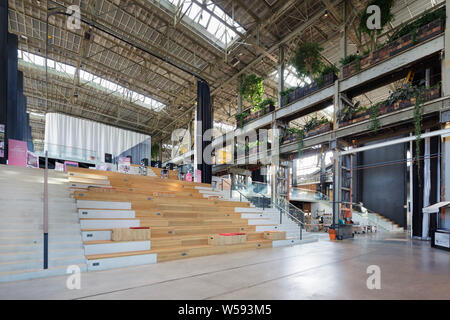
(174, 253)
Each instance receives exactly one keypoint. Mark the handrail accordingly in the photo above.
(288, 213)
(276, 205)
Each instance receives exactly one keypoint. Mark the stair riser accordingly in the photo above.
(37, 254)
(38, 274)
(20, 246)
(96, 235)
(105, 248)
(39, 264)
(106, 214)
(39, 220)
(86, 204)
(120, 262)
(36, 227)
(108, 224)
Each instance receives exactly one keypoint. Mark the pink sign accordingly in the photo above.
(17, 153)
(188, 177)
(70, 164)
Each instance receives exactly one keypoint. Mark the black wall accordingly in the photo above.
(383, 188)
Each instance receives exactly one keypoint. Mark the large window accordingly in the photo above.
(87, 77)
(208, 17)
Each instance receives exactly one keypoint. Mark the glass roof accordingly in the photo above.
(87, 77)
(209, 19)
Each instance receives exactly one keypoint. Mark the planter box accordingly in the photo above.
(256, 115)
(428, 94)
(299, 93)
(226, 239)
(325, 127)
(424, 33)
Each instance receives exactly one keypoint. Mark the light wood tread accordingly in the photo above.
(170, 249)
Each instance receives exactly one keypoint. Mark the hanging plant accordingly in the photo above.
(307, 60)
(252, 89)
(300, 143)
(262, 106)
(374, 113)
(155, 151)
(240, 118)
(386, 17)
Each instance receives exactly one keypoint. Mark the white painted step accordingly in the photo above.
(37, 253)
(109, 224)
(87, 175)
(120, 262)
(35, 264)
(85, 186)
(106, 214)
(88, 204)
(96, 235)
(114, 247)
(292, 242)
(23, 247)
(203, 188)
(253, 222)
(103, 182)
(20, 275)
(38, 219)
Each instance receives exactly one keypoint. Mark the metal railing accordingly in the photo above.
(281, 204)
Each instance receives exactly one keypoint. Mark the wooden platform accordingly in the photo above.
(179, 217)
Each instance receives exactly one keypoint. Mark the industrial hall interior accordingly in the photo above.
(224, 149)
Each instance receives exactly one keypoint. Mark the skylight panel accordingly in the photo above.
(87, 77)
(220, 25)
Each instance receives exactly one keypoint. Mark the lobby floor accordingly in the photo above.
(410, 269)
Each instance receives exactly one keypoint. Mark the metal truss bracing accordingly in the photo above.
(92, 58)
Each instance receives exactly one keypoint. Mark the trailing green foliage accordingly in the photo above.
(300, 133)
(374, 113)
(347, 112)
(413, 27)
(155, 150)
(262, 106)
(386, 16)
(326, 70)
(286, 92)
(349, 59)
(307, 60)
(252, 89)
(240, 118)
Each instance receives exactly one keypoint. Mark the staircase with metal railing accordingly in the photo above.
(360, 214)
(287, 217)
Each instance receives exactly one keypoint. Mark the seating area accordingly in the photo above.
(179, 218)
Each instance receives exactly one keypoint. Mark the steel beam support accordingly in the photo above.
(280, 71)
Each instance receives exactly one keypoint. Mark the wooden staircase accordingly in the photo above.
(180, 219)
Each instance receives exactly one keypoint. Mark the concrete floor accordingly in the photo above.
(410, 269)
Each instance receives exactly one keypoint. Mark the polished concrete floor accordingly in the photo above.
(410, 269)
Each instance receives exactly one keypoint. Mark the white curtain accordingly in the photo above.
(76, 139)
